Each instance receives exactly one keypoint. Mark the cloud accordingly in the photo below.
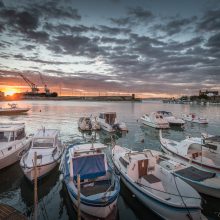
(140, 13)
(210, 21)
(214, 41)
(175, 26)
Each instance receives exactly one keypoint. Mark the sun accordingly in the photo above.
(10, 92)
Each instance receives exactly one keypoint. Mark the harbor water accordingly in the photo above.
(54, 202)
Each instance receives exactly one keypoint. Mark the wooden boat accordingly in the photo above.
(192, 117)
(47, 144)
(13, 110)
(191, 152)
(88, 124)
(13, 143)
(203, 181)
(99, 185)
(155, 120)
(156, 187)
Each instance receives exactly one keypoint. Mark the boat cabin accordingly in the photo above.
(46, 138)
(165, 113)
(109, 117)
(12, 132)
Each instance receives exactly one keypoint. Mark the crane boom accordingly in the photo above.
(33, 86)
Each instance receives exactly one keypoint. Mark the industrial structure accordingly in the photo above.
(35, 90)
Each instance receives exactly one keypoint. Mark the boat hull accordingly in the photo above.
(96, 211)
(42, 171)
(162, 210)
(12, 112)
(153, 125)
(205, 189)
(14, 157)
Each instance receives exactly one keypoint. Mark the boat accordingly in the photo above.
(13, 109)
(48, 147)
(156, 187)
(108, 121)
(192, 152)
(171, 119)
(155, 120)
(13, 143)
(192, 117)
(88, 124)
(205, 182)
(212, 142)
(99, 185)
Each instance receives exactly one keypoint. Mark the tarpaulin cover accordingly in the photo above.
(89, 167)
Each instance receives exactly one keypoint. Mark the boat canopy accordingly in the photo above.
(165, 113)
(89, 167)
(109, 117)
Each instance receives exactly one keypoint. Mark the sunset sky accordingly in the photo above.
(156, 48)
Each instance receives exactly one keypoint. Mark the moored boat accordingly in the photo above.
(47, 145)
(192, 152)
(157, 188)
(154, 120)
(192, 117)
(88, 124)
(13, 143)
(13, 109)
(99, 185)
(171, 119)
(109, 122)
(203, 181)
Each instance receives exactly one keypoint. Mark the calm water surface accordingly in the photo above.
(54, 202)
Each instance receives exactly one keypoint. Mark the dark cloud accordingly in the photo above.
(113, 30)
(210, 21)
(214, 41)
(175, 26)
(114, 40)
(122, 21)
(140, 13)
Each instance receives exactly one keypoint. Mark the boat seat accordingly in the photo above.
(151, 178)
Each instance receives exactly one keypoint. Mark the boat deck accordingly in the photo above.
(96, 187)
(195, 174)
(9, 213)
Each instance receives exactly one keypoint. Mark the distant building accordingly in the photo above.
(208, 93)
(2, 94)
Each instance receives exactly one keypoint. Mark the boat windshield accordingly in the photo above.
(4, 136)
(43, 143)
(110, 118)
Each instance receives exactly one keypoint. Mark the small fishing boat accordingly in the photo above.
(88, 124)
(155, 120)
(192, 152)
(48, 147)
(171, 119)
(13, 143)
(192, 117)
(13, 109)
(108, 121)
(203, 181)
(156, 187)
(99, 185)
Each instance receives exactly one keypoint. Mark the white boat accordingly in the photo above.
(171, 119)
(108, 121)
(212, 142)
(155, 120)
(191, 151)
(13, 109)
(156, 187)
(192, 117)
(88, 124)
(99, 185)
(13, 143)
(203, 181)
(47, 144)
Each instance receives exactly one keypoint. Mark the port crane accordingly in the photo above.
(47, 91)
(33, 86)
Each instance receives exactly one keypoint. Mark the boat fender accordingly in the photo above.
(61, 177)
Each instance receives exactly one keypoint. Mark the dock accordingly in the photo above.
(9, 213)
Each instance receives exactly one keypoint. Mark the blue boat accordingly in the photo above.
(99, 185)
